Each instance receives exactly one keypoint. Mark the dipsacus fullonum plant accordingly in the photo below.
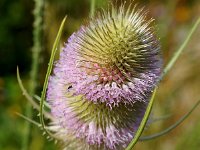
(104, 79)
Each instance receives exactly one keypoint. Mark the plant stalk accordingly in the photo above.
(38, 13)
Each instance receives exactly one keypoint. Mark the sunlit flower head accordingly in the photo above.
(104, 79)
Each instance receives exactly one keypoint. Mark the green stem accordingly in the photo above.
(143, 123)
(92, 8)
(37, 47)
(180, 50)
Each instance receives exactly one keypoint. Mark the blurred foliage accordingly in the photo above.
(15, 35)
(191, 139)
(176, 95)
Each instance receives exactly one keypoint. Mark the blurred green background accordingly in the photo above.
(178, 92)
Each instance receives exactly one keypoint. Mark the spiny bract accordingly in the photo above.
(104, 79)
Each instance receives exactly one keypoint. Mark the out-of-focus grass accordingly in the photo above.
(191, 138)
(10, 126)
(176, 95)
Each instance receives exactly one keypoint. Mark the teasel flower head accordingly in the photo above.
(103, 80)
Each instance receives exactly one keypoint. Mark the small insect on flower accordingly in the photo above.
(103, 80)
